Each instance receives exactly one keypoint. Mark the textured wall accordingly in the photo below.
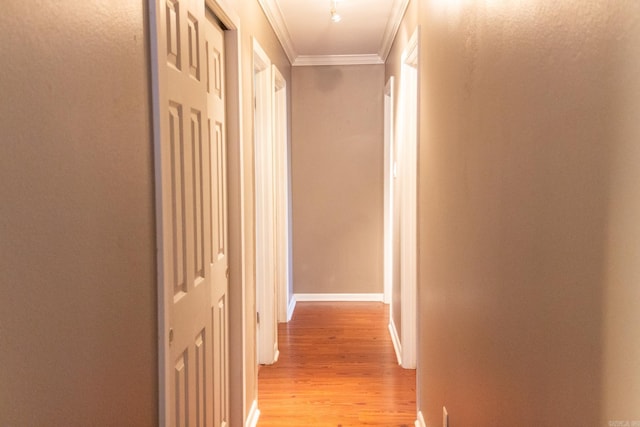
(621, 289)
(244, 373)
(77, 235)
(337, 173)
(528, 273)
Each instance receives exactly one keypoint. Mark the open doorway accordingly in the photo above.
(265, 206)
(389, 177)
(283, 223)
(271, 164)
(407, 172)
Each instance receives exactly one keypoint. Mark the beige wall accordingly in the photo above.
(254, 25)
(528, 198)
(621, 290)
(77, 234)
(337, 173)
(77, 248)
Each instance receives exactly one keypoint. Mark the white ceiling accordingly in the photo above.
(309, 37)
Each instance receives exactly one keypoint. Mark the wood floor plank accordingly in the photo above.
(337, 367)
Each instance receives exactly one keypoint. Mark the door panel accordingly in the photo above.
(181, 384)
(218, 213)
(193, 189)
(201, 380)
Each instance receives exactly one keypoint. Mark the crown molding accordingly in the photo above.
(276, 19)
(397, 13)
(311, 60)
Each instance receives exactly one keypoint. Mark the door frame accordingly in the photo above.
(282, 195)
(265, 214)
(236, 191)
(408, 173)
(389, 176)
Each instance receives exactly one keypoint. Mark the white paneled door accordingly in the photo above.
(194, 265)
(219, 263)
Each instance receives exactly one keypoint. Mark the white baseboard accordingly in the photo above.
(397, 346)
(292, 306)
(253, 416)
(420, 421)
(339, 297)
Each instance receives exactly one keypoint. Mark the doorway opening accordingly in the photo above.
(265, 209)
(389, 177)
(407, 169)
(282, 200)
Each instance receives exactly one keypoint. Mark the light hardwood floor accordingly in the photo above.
(337, 367)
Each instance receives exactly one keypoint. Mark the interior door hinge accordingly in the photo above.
(258, 317)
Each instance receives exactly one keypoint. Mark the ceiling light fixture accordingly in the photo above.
(335, 16)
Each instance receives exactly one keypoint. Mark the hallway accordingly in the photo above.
(527, 238)
(337, 367)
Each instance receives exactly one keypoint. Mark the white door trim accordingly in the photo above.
(281, 160)
(395, 340)
(235, 186)
(292, 307)
(389, 161)
(265, 244)
(253, 416)
(408, 171)
(159, 98)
